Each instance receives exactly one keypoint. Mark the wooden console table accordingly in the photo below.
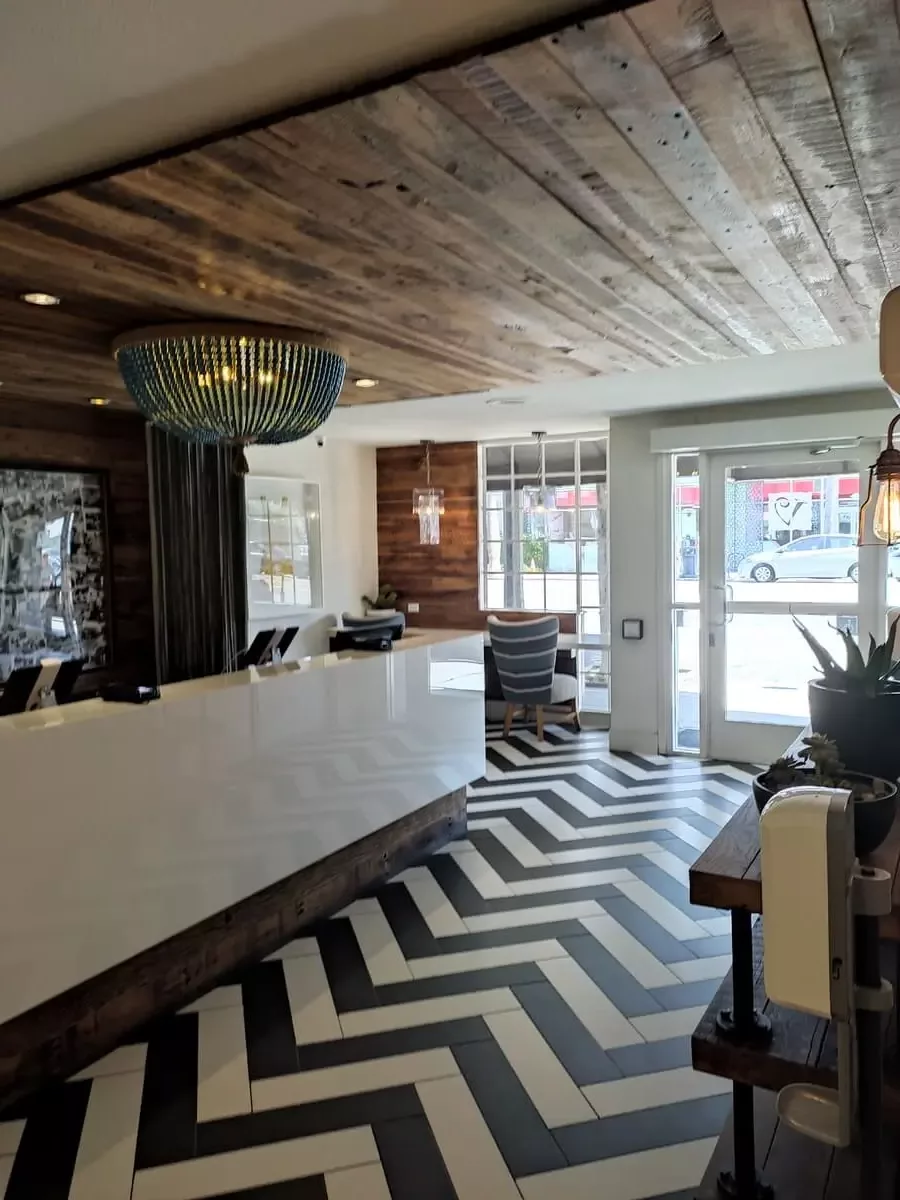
(742, 1036)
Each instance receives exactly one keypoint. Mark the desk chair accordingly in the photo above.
(525, 654)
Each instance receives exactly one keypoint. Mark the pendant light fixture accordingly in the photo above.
(539, 500)
(883, 496)
(428, 504)
(233, 384)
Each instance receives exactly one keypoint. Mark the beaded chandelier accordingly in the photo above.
(231, 384)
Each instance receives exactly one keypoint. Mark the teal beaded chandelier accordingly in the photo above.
(232, 384)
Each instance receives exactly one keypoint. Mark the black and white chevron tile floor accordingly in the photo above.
(510, 1020)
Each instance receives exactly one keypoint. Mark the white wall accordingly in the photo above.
(345, 473)
(637, 533)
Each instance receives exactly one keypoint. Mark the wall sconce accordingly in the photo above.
(428, 504)
(883, 496)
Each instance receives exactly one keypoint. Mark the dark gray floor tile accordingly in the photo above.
(320, 1055)
(629, 996)
(648, 932)
(413, 1165)
(348, 976)
(575, 1048)
(268, 1025)
(687, 995)
(45, 1161)
(515, 1124)
(168, 1121)
(646, 1057)
(312, 1187)
(305, 1120)
(648, 1129)
(456, 984)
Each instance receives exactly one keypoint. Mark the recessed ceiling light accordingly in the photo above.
(41, 299)
(366, 383)
(99, 401)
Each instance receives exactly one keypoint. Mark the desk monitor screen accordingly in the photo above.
(66, 678)
(287, 636)
(259, 649)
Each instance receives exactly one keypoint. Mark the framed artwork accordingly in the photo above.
(54, 570)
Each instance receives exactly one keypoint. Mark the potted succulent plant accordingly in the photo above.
(858, 706)
(384, 602)
(819, 763)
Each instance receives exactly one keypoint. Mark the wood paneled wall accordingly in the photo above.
(99, 440)
(443, 579)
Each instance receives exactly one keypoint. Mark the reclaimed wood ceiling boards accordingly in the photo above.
(686, 182)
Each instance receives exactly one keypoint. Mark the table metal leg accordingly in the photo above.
(742, 1023)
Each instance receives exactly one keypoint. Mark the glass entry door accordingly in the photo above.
(779, 539)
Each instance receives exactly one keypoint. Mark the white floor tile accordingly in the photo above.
(672, 865)
(431, 900)
(661, 910)
(312, 1008)
(478, 960)
(632, 954)
(455, 847)
(105, 1163)
(541, 812)
(223, 1083)
(366, 905)
(426, 1012)
(298, 948)
(357, 1183)
(482, 875)
(716, 926)
(593, 1008)
(379, 947)
(653, 1090)
(474, 1163)
(564, 883)
(255, 1167)
(590, 853)
(689, 834)
(10, 1136)
(656, 1027)
(540, 915)
(520, 847)
(696, 969)
(306, 1087)
(120, 1062)
(630, 1177)
(547, 1082)
(220, 997)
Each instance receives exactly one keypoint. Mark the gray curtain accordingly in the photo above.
(200, 554)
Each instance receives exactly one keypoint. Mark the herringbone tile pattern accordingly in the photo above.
(509, 1020)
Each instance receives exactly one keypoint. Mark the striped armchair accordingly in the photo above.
(525, 655)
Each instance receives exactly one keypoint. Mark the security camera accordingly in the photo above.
(320, 441)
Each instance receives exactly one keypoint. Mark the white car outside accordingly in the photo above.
(819, 556)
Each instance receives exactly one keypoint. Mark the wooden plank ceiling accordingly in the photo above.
(689, 181)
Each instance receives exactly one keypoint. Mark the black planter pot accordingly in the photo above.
(872, 819)
(865, 728)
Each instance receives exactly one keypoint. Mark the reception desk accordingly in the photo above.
(147, 850)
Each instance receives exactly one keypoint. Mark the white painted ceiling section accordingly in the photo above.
(86, 84)
(588, 404)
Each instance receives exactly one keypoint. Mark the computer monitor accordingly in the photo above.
(259, 650)
(22, 690)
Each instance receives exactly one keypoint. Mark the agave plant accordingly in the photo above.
(386, 598)
(873, 675)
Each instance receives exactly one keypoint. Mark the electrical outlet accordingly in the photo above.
(413, 606)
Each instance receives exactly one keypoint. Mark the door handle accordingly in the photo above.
(729, 600)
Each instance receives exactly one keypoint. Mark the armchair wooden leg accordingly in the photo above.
(540, 723)
(508, 719)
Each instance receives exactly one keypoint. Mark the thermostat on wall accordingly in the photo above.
(632, 629)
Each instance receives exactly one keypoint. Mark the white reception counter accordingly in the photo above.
(124, 825)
